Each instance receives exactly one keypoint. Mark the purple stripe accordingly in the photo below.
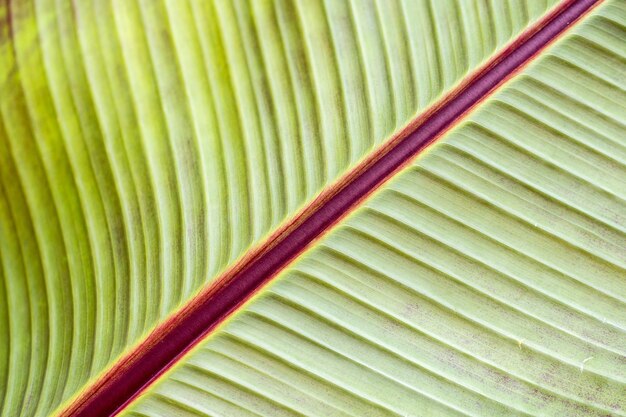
(112, 398)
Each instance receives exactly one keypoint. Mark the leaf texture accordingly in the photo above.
(146, 145)
(487, 279)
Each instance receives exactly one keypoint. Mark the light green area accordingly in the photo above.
(146, 145)
(487, 279)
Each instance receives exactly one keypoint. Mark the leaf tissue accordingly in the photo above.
(312, 207)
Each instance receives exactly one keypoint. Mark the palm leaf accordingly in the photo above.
(149, 147)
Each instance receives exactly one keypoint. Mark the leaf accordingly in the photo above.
(487, 279)
(146, 146)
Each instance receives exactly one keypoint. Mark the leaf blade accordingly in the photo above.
(168, 211)
(483, 280)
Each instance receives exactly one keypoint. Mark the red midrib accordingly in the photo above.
(167, 344)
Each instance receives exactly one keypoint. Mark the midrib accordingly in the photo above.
(185, 328)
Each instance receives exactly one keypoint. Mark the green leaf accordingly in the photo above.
(488, 278)
(146, 146)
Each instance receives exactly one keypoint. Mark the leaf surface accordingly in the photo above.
(488, 278)
(146, 146)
